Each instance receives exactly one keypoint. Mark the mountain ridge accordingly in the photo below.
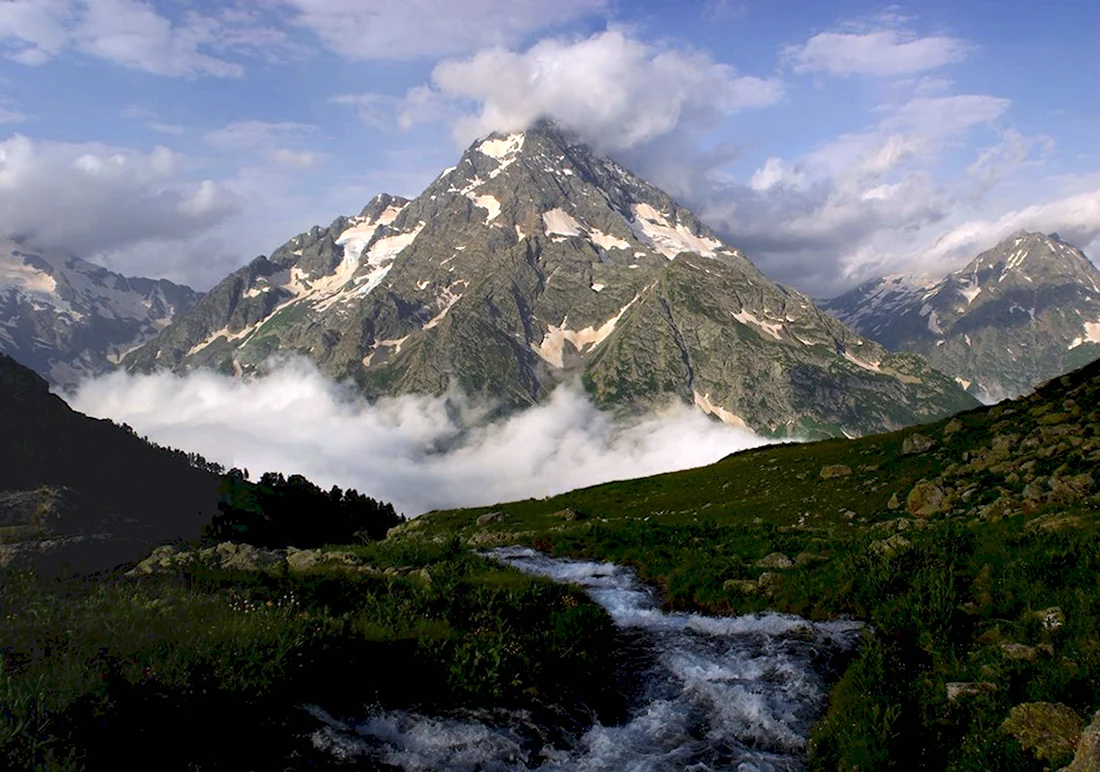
(67, 318)
(1019, 313)
(531, 262)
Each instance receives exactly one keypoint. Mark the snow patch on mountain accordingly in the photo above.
(502, 148)
(654, 228)
(1092, 335)
(771, 328)
(552, 348)
(702, 401)
(489, 204)
(606, 240)
(561, 223)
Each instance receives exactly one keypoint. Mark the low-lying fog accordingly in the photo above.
(413, 451)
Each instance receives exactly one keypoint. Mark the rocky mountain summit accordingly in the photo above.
(66, 318)
(1020, 313)
(534, 262)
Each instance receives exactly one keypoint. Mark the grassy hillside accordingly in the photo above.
(969, 545)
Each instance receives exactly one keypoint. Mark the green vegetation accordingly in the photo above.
(969, 546)
(113, 672)
(268, 513)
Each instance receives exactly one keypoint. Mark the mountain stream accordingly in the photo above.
(730, 693)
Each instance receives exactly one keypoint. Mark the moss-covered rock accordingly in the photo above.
(1049, 730)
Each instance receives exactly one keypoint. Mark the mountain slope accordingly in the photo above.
(66, 318)
(534, 262)
(1018, 314)
(83, 490)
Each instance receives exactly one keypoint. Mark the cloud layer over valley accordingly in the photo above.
(412, 451)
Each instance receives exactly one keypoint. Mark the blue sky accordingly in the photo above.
(831, 141)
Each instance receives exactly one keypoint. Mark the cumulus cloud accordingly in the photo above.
(422, 28)
(614, 90)
(883, 52)
(134, 34)
(88, 197)
(851, 208)
(413, 451)
(1076, 218)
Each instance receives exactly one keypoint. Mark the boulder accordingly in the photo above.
(830, 471)
(491, 517)
(916, 443)
(1087, 757)
(774, 560)
(890, 547)
(1049, 730)
(926, 499)
(894, 502)
(959, 689)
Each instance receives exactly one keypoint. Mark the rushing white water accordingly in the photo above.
(735, 693)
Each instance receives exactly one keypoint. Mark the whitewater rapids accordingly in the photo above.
(729, 693)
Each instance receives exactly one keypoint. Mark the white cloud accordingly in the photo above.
(431, 28)
(133, 34)
(258, 134)
(295, 159)
(882, 52)
(858, 205)
(1076, 218)
(408, 450)
(34, 30)
(614, 90)
(90, 197)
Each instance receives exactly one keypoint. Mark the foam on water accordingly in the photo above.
(719, 693)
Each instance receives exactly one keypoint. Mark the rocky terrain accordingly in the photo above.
(66, 318)
(532, 263)
(1020, 313)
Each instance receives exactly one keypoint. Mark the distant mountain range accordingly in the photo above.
(1019, 314)
(66, 318)
(535, 262)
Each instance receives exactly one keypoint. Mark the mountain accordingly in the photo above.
(534, 262)
(66, 318)
(83, 490)
(1020, 313)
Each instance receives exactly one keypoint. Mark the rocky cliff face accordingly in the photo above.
(534, 262)
(1017, 315)
(66, 318)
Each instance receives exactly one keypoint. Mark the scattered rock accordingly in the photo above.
(1055, 521)
(952, 426)
(887, 548)
(926, 499)
(1087, 758)
(1022, 652)
(774, 560)
(1052, 618)
(743, 586)
(569, 515)
(1048, 729)
(829, 471)
(916, 443)
(491, 517)
(958, 689)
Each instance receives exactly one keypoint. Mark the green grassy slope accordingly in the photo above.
(968, 544)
